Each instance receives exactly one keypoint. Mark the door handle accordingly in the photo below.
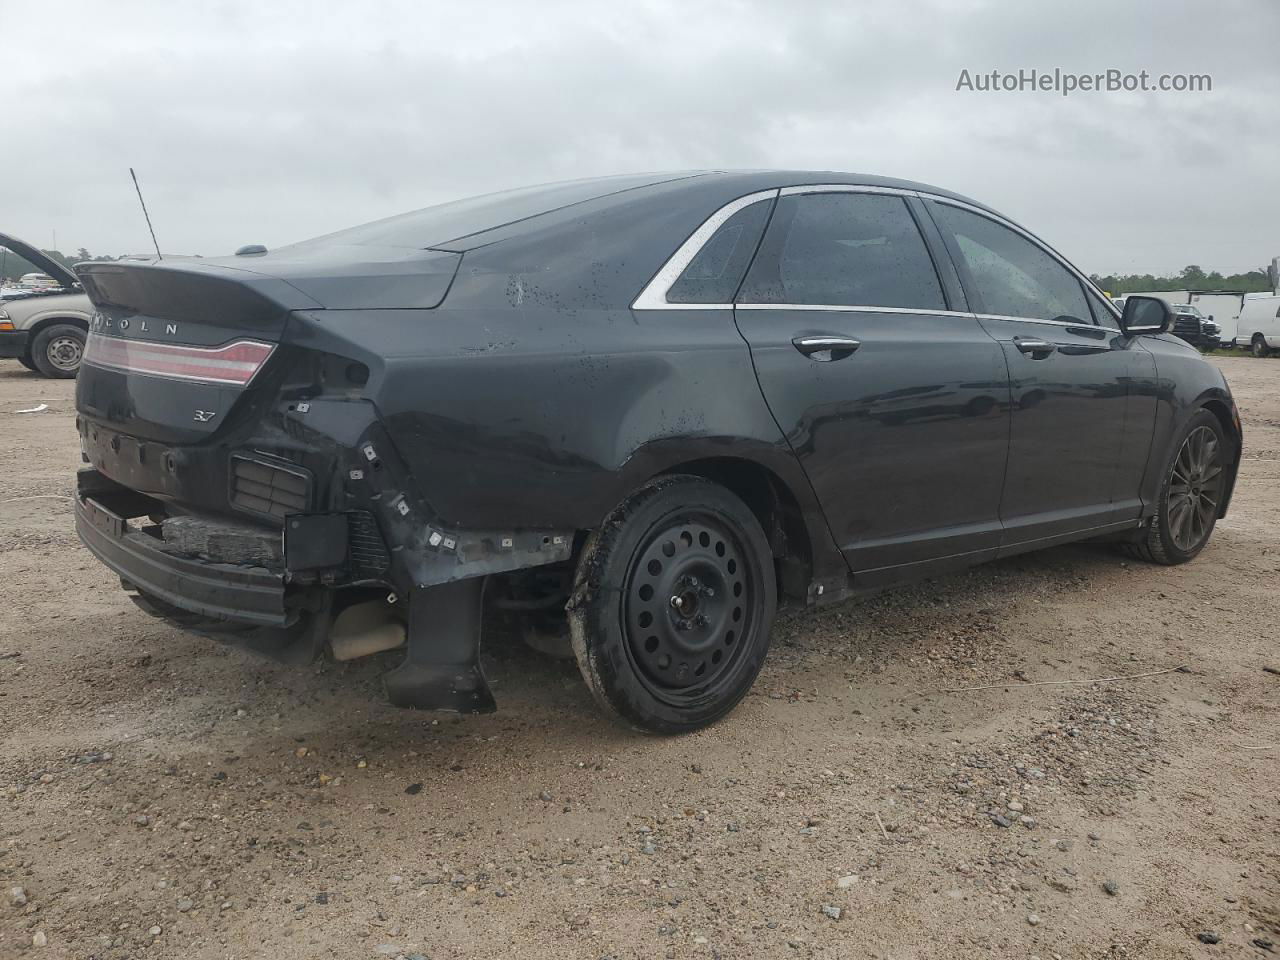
(1039, 349)
(824, 349)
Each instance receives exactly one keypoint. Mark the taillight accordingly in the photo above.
(235, 363)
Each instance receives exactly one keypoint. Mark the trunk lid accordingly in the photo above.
(174, 346)
(179, 348)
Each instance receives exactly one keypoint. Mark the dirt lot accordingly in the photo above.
(161, 796)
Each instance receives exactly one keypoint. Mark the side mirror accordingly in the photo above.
(1145, 315)
(1211, 318)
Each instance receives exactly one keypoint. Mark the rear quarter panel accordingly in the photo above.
(535, 418)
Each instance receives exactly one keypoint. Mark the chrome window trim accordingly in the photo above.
(654, 295)
(846, 188)
(1088, 324)
(849, 308)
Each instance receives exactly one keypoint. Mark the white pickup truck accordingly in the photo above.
(43, 324)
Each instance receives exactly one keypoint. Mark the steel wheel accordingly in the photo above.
(1195, 489)
(64, 352)
(688, 602)
(673, 599)
(57, 349)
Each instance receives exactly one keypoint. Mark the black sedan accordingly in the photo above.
(641, 410)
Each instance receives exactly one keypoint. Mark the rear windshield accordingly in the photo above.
(461, 218)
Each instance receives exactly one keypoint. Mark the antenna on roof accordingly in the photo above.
(145, 214)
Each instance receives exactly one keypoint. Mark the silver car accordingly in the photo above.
(44, 329)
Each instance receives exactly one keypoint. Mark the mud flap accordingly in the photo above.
(441, 670)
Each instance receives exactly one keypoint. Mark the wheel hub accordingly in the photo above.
(687, 604)
(64, 352)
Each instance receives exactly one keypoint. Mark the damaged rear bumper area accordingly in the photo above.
(374, 571)
(148, 561)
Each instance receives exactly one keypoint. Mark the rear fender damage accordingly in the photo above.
(424, 550)
(438, 568)
(376, 531)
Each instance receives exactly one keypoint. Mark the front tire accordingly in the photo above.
(672, 605)
(1191, 495)
(58, 349)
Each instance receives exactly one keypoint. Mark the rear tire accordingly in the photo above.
(1259, 346)
(26, 362)
(673, 600)
(58, 349)
(1190, 496)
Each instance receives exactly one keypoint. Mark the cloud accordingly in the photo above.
(273, 122)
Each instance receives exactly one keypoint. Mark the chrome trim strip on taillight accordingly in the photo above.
(234, 364)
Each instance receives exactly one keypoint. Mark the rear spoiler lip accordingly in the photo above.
(333, 278)
(279, 291)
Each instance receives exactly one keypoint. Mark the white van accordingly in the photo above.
(1259, 327)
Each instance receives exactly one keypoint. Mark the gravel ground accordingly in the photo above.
(161, 796)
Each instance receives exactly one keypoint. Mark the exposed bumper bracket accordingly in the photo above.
(442, 668)
(248, 594)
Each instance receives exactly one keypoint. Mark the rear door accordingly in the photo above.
(891, 394)
(1083, 409)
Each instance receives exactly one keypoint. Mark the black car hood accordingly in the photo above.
(38, 259)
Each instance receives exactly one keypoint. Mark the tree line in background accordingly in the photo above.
(1190, 278)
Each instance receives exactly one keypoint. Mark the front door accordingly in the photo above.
(893, 399)
(1081, 419)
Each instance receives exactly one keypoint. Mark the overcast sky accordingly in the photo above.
(274, 121)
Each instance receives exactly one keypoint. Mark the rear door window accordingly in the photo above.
(844, 249)
(1011, 276)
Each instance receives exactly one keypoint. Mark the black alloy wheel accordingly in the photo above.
(1195, 482)
(672, 605)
